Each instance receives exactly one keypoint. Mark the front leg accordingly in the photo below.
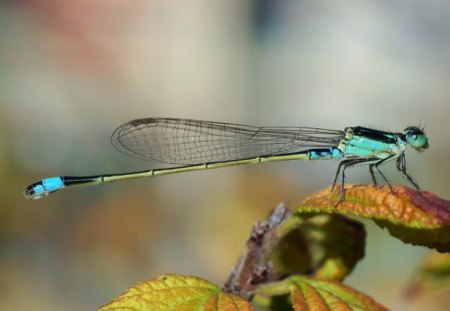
(401, 166)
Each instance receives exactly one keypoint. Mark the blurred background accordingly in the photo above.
(72, 71)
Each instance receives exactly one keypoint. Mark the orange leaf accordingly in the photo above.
(415, 217)
(176, 292)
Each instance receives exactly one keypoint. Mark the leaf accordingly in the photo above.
(329, 246)
(176, 292)
(416, 217)
(312, 294)
(432, 275)
(326, 246)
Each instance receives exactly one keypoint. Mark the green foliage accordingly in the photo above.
(298, 260)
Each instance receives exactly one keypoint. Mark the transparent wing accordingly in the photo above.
(185, 142)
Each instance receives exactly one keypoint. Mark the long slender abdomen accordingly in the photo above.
(47, 186)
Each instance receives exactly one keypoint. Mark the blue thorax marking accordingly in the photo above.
(363, 142)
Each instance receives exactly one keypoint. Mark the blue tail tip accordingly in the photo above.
(43, 188)
(35, 191)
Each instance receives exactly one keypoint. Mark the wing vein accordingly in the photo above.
(184, 141)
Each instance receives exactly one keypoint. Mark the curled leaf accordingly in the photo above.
(325, 245)
(415, 217)
(305, 294)
(176, 292)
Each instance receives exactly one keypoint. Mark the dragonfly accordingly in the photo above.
(193, 145)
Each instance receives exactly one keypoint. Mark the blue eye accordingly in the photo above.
(416, 138)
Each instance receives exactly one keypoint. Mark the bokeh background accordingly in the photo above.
(72, 71)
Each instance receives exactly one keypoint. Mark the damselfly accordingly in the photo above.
(200, 145)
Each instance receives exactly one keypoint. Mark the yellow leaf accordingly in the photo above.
(309, 294)
(176, 292)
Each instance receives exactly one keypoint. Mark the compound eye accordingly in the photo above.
(416, 138)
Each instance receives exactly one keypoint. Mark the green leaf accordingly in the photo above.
(306, 294)
(176, 292)
(328, 246)
(416, 217)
